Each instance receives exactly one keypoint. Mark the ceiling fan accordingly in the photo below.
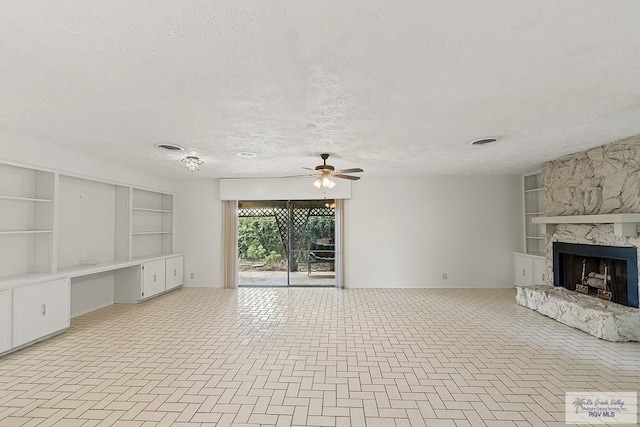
(326, 172)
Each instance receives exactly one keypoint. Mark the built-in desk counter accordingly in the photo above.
(36, 306)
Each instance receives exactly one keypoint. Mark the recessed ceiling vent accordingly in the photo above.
(170, 147)
(483, 141)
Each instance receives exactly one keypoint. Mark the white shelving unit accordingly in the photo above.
(529, 266)
(52, 221)
(152, 224)
(534, 204)
(63, 235)
(26, 220)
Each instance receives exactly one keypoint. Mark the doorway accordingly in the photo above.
(286, 243)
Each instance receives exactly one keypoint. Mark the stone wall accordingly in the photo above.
(602, 180)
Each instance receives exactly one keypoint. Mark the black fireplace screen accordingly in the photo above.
(597, 270)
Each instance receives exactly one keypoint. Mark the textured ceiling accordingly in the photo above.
(395, 87)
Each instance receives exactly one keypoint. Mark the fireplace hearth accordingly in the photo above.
(606, 272)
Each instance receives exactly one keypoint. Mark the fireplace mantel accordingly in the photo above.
(623, 224)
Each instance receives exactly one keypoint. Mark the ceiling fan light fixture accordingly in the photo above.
(192, 163)
(324, 181)
(327, 172)
(328, 182)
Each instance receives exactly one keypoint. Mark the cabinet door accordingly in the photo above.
(539, 271)
(5, 320)
(174, 272)
(153, 280)
(523, 268)
(40, 310)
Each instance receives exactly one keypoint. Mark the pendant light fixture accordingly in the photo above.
(192, 163)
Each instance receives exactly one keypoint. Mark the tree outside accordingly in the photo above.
(260, 244)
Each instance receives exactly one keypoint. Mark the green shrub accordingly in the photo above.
(257, 252)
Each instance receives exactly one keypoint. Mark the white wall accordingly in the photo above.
(402, 232)
(281, 189)
(199, 231)
(42, 154)
(407, 232)
(86, 221)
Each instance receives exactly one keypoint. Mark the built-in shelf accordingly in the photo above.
(138, 233)
(152, 210)
(25, 199)
(26, 232)
(534, 203)
(51, 220)
(623, 224)
(151, 223)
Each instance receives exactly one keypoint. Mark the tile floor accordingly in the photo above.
(279, 278)
(316, 357)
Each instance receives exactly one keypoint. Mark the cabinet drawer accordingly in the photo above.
(153, 280)
(5, 320)
(40, 310)
(174, 272)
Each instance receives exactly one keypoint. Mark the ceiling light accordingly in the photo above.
(484, 141)
(192, 163)
(325, 181)
(246, 155)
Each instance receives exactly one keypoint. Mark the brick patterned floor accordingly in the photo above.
(311, 357)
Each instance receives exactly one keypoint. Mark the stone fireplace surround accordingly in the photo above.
(600, 181)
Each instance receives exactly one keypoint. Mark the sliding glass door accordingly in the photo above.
(286, 243)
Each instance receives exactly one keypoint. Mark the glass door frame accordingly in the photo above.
(291, 226)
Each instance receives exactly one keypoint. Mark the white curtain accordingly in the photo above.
(230, 243)
(340, 242)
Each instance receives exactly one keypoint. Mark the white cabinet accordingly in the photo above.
(5, 320)
(153, 278)
(40, 310)
(528, 270)
(539, 271)
(137, 283)
(174, 272)
(523, 270)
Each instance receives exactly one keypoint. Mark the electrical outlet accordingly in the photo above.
(192, 276)
(444, 276)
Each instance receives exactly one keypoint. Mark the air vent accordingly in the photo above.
(483, 141)
(246, 155)
(170, 147)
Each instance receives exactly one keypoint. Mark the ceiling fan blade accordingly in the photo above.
(299, 176)
(351, 177)
(309, 169)
(350, 170)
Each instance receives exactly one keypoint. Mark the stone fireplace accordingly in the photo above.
(593, 211)
(606, 272)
